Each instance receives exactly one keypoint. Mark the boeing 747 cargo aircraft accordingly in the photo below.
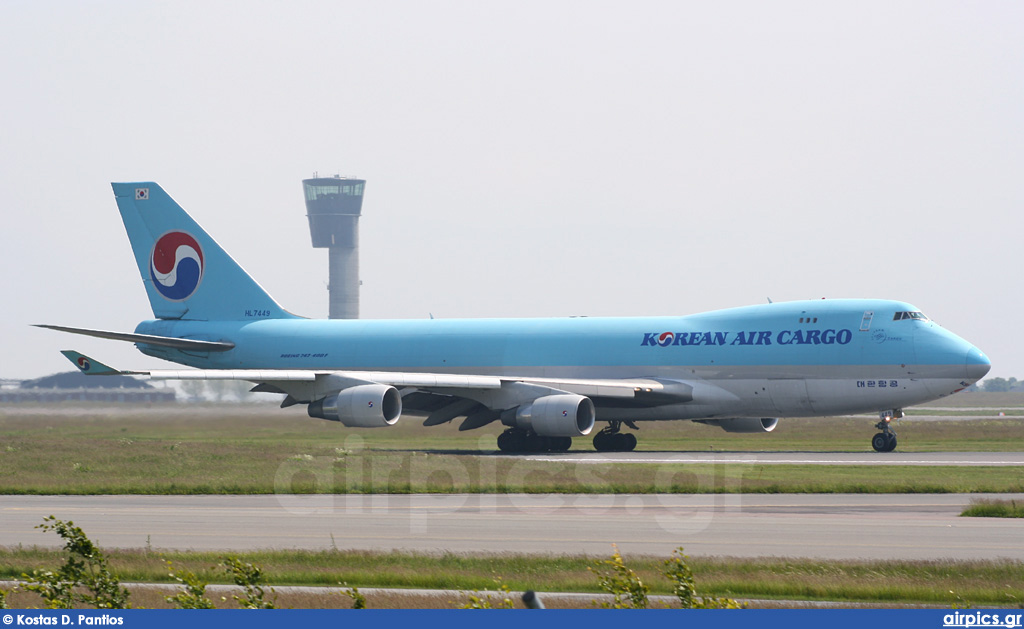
(547, 380)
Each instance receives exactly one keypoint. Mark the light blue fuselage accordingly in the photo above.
(792, 359)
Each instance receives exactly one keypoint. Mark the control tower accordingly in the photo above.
(333, 206)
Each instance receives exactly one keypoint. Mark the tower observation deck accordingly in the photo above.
(333, 206)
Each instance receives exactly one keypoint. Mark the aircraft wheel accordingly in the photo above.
(534, 443)
(880, 443)
(614, 441)
(559, 444)
(621, 442)
(513, 440)
(503, 441)
(890, 442)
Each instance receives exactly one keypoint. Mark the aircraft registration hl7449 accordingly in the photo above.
(547, 380)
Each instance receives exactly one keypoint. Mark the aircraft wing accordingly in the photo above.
(303, 386)
(91, 366)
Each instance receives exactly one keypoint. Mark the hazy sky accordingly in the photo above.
(523, 158)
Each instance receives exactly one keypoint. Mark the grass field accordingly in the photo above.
(218, 449)
(994, 509)
(876, 582)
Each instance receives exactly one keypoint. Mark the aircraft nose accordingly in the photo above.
(977, 363)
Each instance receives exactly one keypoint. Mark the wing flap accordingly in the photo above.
(251, 375)
(423, 380)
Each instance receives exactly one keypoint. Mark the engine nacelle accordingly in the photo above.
(363, 406)
(744, 424)
(567, 415)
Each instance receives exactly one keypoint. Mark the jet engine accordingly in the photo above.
(743, 424)
(363, 406)
(567, 415)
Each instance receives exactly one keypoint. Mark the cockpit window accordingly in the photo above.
(899, 316)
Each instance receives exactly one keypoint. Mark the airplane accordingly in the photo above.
(547, 380)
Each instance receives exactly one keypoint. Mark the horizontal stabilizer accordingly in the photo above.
(148, 339)
(89, 366)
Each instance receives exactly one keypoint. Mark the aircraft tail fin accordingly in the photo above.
(187, 275)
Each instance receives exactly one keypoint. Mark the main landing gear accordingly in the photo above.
(611, 440)
(885, 441)
(520, 440)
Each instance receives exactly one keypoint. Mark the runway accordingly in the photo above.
(971, 459)
(887, 526)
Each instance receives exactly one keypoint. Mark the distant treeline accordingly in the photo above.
(998, 385)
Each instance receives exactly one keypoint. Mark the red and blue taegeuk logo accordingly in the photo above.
(176, 265)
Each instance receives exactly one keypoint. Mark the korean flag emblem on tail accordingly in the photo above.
(142, 194)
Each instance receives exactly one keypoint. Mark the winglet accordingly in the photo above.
(89, 366)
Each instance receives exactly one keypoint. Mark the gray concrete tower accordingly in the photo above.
(333, 206)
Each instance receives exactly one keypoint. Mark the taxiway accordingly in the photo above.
(887, 526)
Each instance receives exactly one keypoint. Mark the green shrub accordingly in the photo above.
(194, 594)
(486, 602)
(358, 600)
(248, 577)
(85, 567)
(685, 589)
(625, 586)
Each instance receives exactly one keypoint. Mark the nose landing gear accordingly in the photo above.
(885, 441)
